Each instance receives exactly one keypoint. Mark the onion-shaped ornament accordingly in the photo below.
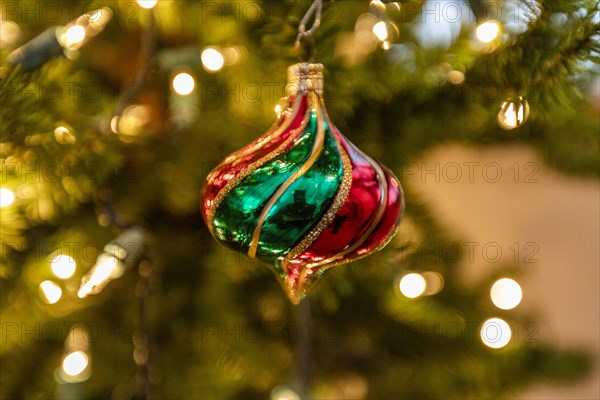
(302, 198)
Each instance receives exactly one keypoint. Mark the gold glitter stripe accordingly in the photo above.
(383, 187)
(252, 167)
(265, 139)
(338, 201)
(316, 151)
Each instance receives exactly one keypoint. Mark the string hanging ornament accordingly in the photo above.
(302, 198)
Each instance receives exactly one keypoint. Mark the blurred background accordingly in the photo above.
(113, 113)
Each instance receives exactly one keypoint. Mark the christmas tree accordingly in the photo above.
(115, 112)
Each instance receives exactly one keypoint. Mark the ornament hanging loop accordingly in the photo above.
(305, 41)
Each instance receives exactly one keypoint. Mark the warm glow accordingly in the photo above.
(75, 363)
(212, 59)
(380, 30)
(50, 292)
(513, 115)
(412, 285)
(487, 31)
(63, 135)
(9, 33)
(63, 266)
(183, 83)
(495, 333)
(506, 293)
(284, 393)
(133, 120)
(456, 77)
(73, 37)
(7, 197)
(434, 283)
(104, 270)
(147, 3)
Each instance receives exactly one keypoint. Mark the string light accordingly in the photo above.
(506, 293)
(76, 364)
(7, 197)
(72, 38)
(50, 292)
(513, 114)
(495, 333)
(212, 59)
(487, 32)
(183, 84)
(106, 269)
(147, 4)
(63, 266)
(64, 40)
(412, 285)
(113, 261)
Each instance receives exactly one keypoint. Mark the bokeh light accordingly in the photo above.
(380, 30)
(506, 293)
(75, 363)
(7, 197)
(73, 37)
(284, 393)
(147, 3)
(10, 32)
(488, 31)
(495, 333)
(63, 266)
(212, 59)
(183, 83)
(64, 135)
(513, 115)
(412, 285)
(50, 292)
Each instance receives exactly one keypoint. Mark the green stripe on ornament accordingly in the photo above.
(236, 217)
(303, 204)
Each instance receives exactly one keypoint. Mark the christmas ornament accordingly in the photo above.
(302, 198)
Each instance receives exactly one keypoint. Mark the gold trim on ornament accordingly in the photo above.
(270, 136)
(255, 165)
(316, 151)
(383, 188)
(338, 202)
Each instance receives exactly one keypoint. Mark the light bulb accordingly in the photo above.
(63, 266)
(380, 30)
(495, 333)
(212, 59)
(506, 293)
(72, 38)
(513, 115)
(183, 83)
(412, 285)
(75, 363)
(487, 31)
(106, 269)
(147, 3)
(50, 292)
(7, 197)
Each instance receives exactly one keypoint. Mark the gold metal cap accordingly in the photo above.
(304, 78)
